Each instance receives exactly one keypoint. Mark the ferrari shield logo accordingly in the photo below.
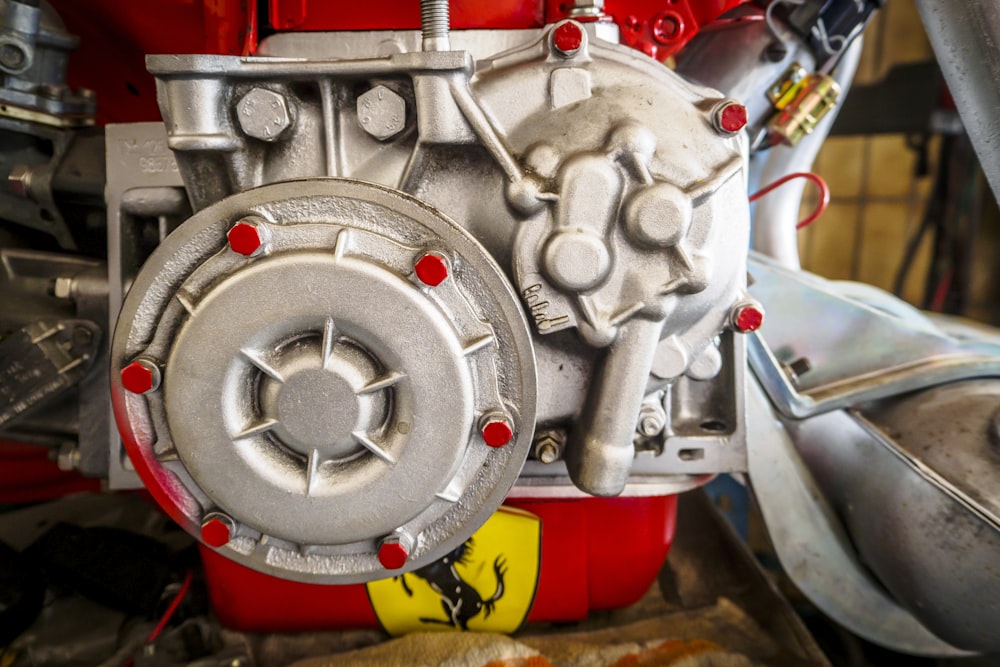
(486, 584)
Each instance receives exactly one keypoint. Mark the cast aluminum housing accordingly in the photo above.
(589, 215)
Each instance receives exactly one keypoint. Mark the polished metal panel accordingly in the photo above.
(917, 482)
(809, 538)
(820, 321)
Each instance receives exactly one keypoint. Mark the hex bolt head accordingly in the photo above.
(217, 529)
(393, 552)
(381, 112)
(497, 431)
(730, 117)
(247, 237)
(431, 269)
(747, 317)
(567, 38)
(263, 114)
(141, 376)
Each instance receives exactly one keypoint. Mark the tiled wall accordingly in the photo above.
(876, 199)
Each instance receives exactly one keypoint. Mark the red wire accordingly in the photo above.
(171, 609)
(168, 614)
(941, 291)
(816, 179)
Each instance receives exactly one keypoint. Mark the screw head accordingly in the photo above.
(497, 432)
(667, 27)
(141, 376)
(381, 112)
(217, 530)
(747, 318)
(567, 38)
(263, 114)
(431, 269)
(392, 553)
(246, 238)
(731, 117)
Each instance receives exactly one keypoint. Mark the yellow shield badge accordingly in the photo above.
(487, 584)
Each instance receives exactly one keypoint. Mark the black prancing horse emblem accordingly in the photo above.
(459, 600)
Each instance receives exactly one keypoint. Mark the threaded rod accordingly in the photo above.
(435, 24)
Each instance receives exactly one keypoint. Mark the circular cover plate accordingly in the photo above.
(319, 393)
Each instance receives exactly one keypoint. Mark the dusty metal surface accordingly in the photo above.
(915, 479)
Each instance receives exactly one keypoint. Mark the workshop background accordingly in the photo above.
(882, 186)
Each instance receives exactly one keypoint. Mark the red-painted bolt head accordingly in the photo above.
(748, 318)
(140, 376)
(217, 530)
(667, 27)
(567, 38)
(392, 553)
(731, 117)
(431, 269)
(497, 432)
(246, 238)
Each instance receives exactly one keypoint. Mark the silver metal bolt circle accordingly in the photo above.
(228, 449)
(326, 269)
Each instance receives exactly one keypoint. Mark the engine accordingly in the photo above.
(364, 288)
(404, 263)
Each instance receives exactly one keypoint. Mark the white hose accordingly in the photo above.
(776, 215)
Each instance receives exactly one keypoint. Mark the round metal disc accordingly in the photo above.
(319, 394)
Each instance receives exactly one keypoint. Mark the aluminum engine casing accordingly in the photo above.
(592, 194)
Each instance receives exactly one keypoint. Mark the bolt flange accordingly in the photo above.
(497, 431)
(431, 269)
(217, 529)
(141, 376)
(247, 237)
(747, 317)
(567, 38)
(394, 551)
(730, 117)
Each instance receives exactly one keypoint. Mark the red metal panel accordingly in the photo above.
(116, 36)
(317, 15)
(658, 28)
(27, 475)
(597, 553)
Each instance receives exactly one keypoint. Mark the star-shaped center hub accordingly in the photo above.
(323, 396)
(319, 409)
